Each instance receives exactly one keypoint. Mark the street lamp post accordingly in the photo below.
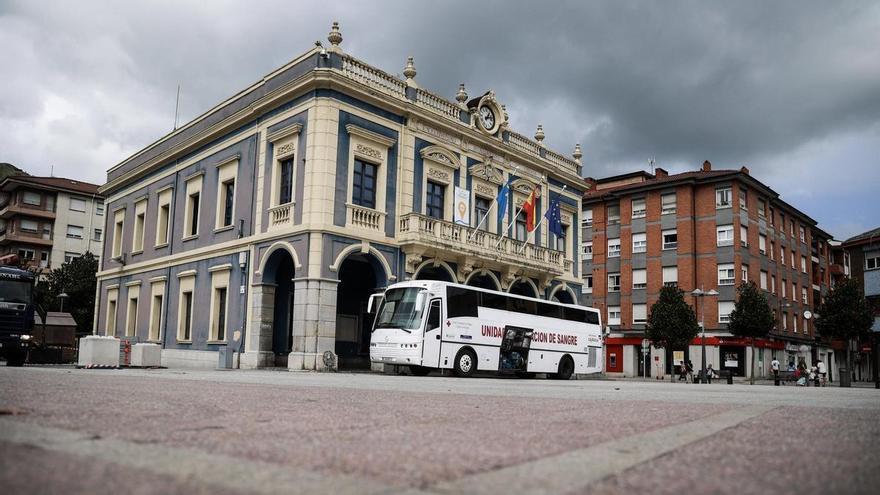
(699, 294)
(62, 297)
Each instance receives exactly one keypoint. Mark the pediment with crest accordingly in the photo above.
(441, 155)
(487, 172)
(523, 186)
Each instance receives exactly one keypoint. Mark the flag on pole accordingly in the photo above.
(529, 208)
(502, 202)
(554, 219)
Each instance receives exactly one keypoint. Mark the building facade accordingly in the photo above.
(47, 221)
(864, 252)
(708, 229)
(267, 222)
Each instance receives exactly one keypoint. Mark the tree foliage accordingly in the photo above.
(751, 316)
(78, 280)
(672, 323)
(844, 313)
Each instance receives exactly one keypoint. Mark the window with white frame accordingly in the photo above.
(613, 212)
(804, 295)
(640, 278)
(726, 274)
(670, 276)
(724, 235)
(31, 198)
(872, 261)
(640, 314)
(26, 225)
(219, 302)
(743, 236)
(587, 288)
(794, 322)
(77, 204)
(668, 204)
(723, 197)
(794, 291)
(772, 251)
(791, 228)
(743, 202)
(764, 279)
(804, 264)
(773, 284)
(140, 215)
(587, 221)
(26, 254)
(614, 315)
(99, 207)
(792, 260)
(227, 173)
(670, 239)
(186, 306)
(744, 272)
(762, 243)
(74, 232)
(638, 208)
(772, 216)
(613, 248)
(587, 250)
(784, 286)
(762, 208)
(68, 256)
(157, 297)
(131, 315)
(640, 243)
(613, 282)
(110, 318)
(784, 321)
(724, 310)
(193, 206)
(802, 232)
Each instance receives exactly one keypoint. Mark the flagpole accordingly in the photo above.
(494, 202)
(509, 225)
(529, 237)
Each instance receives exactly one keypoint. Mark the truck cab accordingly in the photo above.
(16, 314)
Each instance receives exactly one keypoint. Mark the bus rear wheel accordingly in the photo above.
(419, 370)
(566, 369)
(465, 363)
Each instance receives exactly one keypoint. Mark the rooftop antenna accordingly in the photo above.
(651, 163)
(176, 107)
(51, 170)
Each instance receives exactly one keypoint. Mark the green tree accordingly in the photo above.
(751, 317)
(844, 313)
(672, 323)
(78, 280)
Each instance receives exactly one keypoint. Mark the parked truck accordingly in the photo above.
(16, 314)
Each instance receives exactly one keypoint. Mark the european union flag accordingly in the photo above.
(502, 201)
(554, 219)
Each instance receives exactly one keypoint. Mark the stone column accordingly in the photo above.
(258, 346)
(314, 324)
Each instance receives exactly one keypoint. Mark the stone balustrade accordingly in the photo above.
(281, 215)
(365, 218)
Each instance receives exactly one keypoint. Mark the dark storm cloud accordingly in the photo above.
(790, 89)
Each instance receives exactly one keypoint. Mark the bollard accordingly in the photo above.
(730, 377)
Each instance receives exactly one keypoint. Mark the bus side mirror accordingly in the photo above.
(421, 297)
(373, 302)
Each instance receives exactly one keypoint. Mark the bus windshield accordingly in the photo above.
(399, 309)
(17, 291)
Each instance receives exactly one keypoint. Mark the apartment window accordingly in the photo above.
(74, 232)
(99, 208)
(614, 315)
(285, 187)
(193, 204)
(638, 208)
(68, 256)
(804, 295)
(140, 213)
(743, 235)
(481, 211)
(762, 208)
(521, 231)
(782, 255)
(587, 222)
(588, 285)
(435, 200)
(131, 315)
(77, 204)
(640, 243)
(227, 202)
(560, 240)
(640, 278)
(794, 291)
(773, 284)
(670, 239)
(667, 204)
(763, 279)
(110, 322)
(156, 316)
(613, 248)
(742, 199)
(802, 233)
(726, 274)
(164, 216)
(784, 284)
(772, 251)
(26, 254)
(44, 259)
(744, 272)
(762, 243)
(785, 321)
(772, 217)
(872, 262)
(804, 264)
(28, 225)
(724, 235)
(792, 260)
(640, 314)
(613, 213)
(194, 200)
(187, 302)
(791, 228)
(364, 186)
(724, 310)
(670, 276)
(613, 282)
(722, 198)
(794, 321)
(218, 305)
(31, 198)
(187, 284)
(586, 251)
(98, 234)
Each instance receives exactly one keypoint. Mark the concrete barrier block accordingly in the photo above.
(146, 355)
(98, 351)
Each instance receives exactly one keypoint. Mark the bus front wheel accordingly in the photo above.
(465, 363)
(566, 369)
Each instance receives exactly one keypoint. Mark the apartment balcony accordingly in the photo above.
(836, 269)
(24, 237)
(431, 236)
(11, 209)
(281, 216)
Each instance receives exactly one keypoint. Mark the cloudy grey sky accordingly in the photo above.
(790, 89)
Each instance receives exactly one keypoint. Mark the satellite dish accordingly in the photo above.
(807, 314)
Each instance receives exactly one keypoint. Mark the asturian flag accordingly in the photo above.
(554, 219)
(529, 208)
(502, 202)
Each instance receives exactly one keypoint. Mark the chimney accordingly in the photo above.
(591, 183)
(659, 173)
(744, 170)
(707, 167)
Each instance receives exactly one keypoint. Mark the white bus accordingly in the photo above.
(428, 324)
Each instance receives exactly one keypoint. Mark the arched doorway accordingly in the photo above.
(483, 280)
(360, 275)
(563, 296)
(522, 287)
(278, 272)
(430, 271)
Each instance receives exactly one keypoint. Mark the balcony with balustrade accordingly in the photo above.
(281, 216)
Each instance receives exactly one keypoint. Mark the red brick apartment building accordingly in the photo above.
(709, 229)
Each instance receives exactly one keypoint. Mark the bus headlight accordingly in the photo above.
(25, 337)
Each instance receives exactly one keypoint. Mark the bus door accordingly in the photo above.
(433, 329)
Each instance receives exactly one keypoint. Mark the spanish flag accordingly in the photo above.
(529, 208)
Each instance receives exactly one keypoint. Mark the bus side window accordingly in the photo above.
(434, 315)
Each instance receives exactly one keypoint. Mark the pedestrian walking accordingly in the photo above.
(690, 371)
(774, 367)
(823, 372)
(814, 375)
(710, 373)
